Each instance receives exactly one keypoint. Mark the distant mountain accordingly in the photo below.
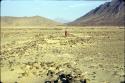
(108, 14)
(61, 20)
(7, 21)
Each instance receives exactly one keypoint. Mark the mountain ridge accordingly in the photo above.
(107, 14)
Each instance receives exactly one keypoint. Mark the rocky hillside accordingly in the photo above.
(26, 21)
(109, 13)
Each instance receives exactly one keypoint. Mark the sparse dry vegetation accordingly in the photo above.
(94, 53)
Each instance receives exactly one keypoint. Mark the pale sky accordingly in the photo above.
(54, 9)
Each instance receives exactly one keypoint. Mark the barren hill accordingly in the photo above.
(110, 13)
(26, 21)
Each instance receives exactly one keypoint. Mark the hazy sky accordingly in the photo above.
(54, 9)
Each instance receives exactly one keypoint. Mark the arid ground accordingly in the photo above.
(97, 54)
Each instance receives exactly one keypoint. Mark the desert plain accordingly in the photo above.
(96, 53)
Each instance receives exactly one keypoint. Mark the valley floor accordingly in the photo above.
(97, 54)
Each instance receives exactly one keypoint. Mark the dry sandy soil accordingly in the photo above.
(97, 54)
